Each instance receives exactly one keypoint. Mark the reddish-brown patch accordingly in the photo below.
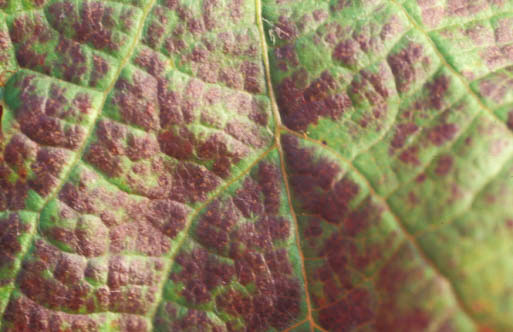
(442, 133)
(346, 52)
(437, 90)
(100, 69)
(392, 282)
(353, 310)
(403, 65)
(151, 62)
(314, 185)
(168, 319)
(179, 146)
(137, 101)
(371, 87)
(131, 323)
(410, 156)
(509, 122)
(465, 7)
(251, 246)
(402, 132)
(301, 107)
(444, 165)
(268, 179)
(11, 228)
(46, 168)
(92, 23)
(286, 56)
(17, 151)
(167, 216)
(22, 314)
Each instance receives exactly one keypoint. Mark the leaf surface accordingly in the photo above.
(268, 165)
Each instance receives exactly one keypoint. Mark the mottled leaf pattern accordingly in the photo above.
(256, 165)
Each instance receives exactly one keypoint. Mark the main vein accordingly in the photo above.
(277, 133)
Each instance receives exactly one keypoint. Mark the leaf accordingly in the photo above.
(275, 165)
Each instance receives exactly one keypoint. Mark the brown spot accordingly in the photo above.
(437, 90)
(286, 56)
(421, 178)
(301, 107)
(100, 69)
(253, 77)
(346, 52)
(168, 319)
(509, 122)
(11, 228)
(138, 100)
(192, 183)
(22, 314)
(465, 7)
(247, 199)
(403, 65)
(392, 279)
(252, 247)
(179, 146)
(354, 310)
(314, 185)
(444, 165)
(440, 134)
(269, 180)
(92, 23)
(410, 156)
(402, 132)
(47, 168)
(167, 216)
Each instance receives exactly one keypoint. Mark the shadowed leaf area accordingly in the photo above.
(256, 165)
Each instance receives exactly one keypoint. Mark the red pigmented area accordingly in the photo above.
(509, 121)
(341, 301)
(410, 156)
(255, 257)
(37, 155)
(371, 87)
(193, 320)
(137, 101)
(442, 133)
(205, 59)
(465, 7)
(148, 223)
(92, 22)
(130, 284)
(444, 165)
(71, 64)
(437, 90)
(23, 315)
(301, 107)
(347, 52)
(25, 31)
(402, 132)
(170, 118)
(354, 310)
(391, 284)
(11, 228)
(314, 185)
(12, 195)
(496, 86)
(407, 65)
(42, 120)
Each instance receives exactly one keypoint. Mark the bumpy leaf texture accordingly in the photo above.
(256, 165)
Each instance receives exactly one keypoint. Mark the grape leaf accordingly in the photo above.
(256, 165)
